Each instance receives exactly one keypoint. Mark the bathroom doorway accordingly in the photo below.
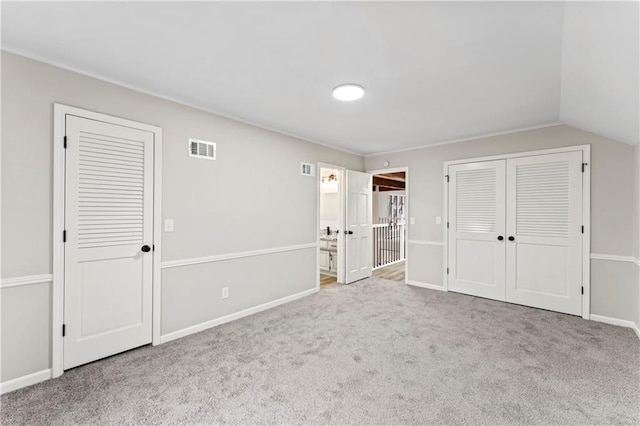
(331, 219)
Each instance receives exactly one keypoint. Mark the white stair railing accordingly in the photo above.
(388, 242)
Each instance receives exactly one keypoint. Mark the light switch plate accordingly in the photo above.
(225, 292)
(438, 220)
(412, 221)
(168, 225)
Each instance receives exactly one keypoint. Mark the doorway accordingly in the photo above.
(107, 209)
(329, 236)
(390, 203)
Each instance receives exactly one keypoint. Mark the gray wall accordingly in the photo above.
(213, 204)
(614, 287)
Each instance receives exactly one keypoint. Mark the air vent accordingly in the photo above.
(307, 169)
(202, 149)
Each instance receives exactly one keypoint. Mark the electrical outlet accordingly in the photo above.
(412, 221)
(225, 292)
(168, 225)
(438, 220)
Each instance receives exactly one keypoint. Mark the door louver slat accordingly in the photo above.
(110, 195)
(542, 200)
(476, 200)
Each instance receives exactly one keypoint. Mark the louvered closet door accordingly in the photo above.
(476, 216)
(108, 219)
(544, 217)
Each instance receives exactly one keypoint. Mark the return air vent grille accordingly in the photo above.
(307, 169)
(202, 149)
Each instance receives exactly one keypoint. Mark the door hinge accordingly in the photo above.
(581, 290)
(153, 247)
(447, 225)
(447, 271)
(583, 229)
(64, 236)
(584, 164)
(64, 330)
(447, 176)
(65, 142)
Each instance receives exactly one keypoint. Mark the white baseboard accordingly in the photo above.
(425, 285)
(24, 381)
(232, 317)
(615, 321)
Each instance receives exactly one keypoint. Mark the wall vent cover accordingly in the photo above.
(307, 169)
(202, 149)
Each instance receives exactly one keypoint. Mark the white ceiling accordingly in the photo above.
(433, 71)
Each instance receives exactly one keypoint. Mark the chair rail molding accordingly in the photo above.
(237, 255)
(25, 280)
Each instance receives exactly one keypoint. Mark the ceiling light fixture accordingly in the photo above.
(348, 92)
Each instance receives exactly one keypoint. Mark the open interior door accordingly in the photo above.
(358, 234)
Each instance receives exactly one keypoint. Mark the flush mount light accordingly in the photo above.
(348, 92)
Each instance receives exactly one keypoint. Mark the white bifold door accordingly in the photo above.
(109, 225)
(359, 229)
(515, 230)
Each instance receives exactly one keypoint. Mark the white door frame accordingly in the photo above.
(341, 274)
(586, 212)
(407, 210)
(59, 115)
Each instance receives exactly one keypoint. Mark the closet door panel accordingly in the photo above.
(477, 219)
(544, 229)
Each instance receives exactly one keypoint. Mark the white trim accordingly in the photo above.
(237, 255)
(525, 154)
(26, 280)
(57, 289)
(232, 317)
(586, 210)
(483, 136)
(24, 381)
(157, 239)
(616, 321)
(167, 98)
(613, 257)
(586, 239)
(407, 207)
(445, 225)
(425, 285)
(426, 243)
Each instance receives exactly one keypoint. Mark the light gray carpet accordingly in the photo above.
(374, 352)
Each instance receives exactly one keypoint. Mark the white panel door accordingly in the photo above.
(108, 222)
(359, 230)
(544, 228)
(476, 229)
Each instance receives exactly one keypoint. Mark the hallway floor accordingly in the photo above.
(393, 272)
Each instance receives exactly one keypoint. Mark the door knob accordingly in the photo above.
(511, 238)
(500, 238)
(146, 248)
(348, 232)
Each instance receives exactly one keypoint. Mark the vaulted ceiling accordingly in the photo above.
(433, 71)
